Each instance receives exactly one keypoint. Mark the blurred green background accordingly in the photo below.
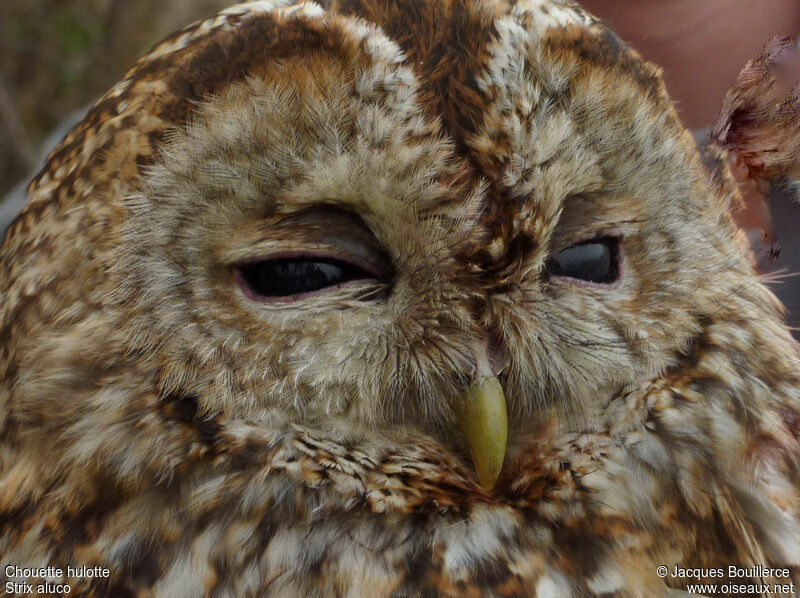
(58, 56)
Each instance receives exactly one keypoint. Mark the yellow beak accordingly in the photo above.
(483, 419)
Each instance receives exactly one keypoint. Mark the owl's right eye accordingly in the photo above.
(297, 277)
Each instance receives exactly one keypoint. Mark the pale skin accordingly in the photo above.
(701, 46)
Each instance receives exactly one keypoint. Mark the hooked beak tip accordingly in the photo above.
(483, 419)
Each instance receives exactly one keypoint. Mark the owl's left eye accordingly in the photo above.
(591, 261)
(291, 277)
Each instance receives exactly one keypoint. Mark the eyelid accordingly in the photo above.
(291, 242)
(323, 231)
(596, 236)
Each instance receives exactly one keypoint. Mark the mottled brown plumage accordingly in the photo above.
(165, 417)
(759, 126)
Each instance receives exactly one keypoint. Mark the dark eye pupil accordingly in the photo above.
(593, 261)
(285, 277)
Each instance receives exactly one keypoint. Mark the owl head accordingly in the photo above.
(352, 211)
(466, 222)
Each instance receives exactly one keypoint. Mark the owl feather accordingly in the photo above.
(384, 298)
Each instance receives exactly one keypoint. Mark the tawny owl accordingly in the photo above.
(394, 298)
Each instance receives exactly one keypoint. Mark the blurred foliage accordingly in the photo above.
(58, 56)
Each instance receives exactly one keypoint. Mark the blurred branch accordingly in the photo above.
(16, 130)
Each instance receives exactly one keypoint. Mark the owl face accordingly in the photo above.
(336, 219)
(348, 222)
(307, 213)
(309, 272)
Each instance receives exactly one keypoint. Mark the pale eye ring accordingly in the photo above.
(597, 261)
(287, 278)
